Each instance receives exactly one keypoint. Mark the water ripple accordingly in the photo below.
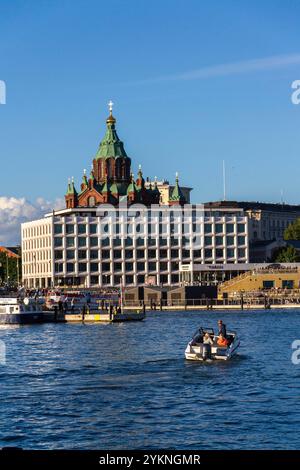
(129, 386)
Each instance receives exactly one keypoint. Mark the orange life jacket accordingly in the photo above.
(222, 342)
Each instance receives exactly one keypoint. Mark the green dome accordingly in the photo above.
(111, 145)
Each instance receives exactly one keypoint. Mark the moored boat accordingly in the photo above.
(197, 351)
(14, 311)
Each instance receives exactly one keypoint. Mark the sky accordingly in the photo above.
(193, 83)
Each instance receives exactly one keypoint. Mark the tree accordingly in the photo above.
(292, 232)
(287, 254)
(9, 269)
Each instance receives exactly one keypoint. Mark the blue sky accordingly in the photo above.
(62, 61)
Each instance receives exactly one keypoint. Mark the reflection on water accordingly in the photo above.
(129, 386)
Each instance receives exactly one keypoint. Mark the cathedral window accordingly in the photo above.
(91, 201)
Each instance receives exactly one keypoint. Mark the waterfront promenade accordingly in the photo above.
(214, 304)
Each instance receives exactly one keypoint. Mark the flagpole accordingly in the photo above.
(224, 182)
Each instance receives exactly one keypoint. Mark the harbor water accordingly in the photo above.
(128, 386)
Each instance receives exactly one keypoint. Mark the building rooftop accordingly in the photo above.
(254, 205)
(269, 206)
(222, 204)
(11, 251)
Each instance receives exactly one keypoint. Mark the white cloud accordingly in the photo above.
(232, 68)
(14, 211)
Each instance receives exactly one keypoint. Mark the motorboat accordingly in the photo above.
(16, 311)
(197, 351)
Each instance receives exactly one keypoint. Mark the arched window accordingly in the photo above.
(110, 166)
(91, 201)
(119, 164)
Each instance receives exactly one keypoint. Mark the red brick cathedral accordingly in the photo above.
(111, 180)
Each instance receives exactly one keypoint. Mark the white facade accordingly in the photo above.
(86, 247)
(37, 251)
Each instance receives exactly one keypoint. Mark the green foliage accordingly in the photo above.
(287, 254)
(292, 232)
(9, 269)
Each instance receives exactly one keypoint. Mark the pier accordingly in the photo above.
(104, 317)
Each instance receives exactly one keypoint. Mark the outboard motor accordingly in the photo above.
(206, 352)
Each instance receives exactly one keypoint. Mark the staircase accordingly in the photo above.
(235, 282)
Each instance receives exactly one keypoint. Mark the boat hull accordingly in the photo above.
(194, 353)
(21, 318)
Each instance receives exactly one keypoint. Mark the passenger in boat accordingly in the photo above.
(222, 341)
(207, 339)
(222, 328)
(207, 343)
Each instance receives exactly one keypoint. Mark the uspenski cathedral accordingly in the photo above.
(111, 179)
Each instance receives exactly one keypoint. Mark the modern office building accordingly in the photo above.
(136, 246)
(120, 229)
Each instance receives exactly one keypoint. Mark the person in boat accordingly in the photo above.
(207, 344)
(222, 328)
(222, 341)
(207, 339)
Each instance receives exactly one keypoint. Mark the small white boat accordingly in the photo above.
(14, 311)
(197, 351)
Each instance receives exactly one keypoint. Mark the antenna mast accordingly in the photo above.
(224, 181)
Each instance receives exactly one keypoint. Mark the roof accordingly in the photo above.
(131, 187)
(111, 145)
(252, 205)
(177, 193)
(71, 188)
(114, 188)
(269, 206)
(220, 204)
(11, 251)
